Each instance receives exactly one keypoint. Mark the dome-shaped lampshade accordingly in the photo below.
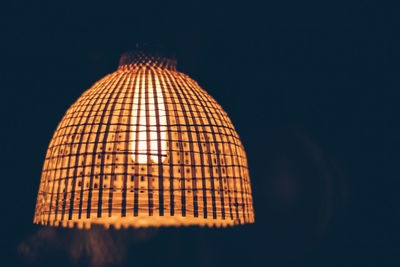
(145, 146)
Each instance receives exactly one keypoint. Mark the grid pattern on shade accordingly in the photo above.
(145, 146)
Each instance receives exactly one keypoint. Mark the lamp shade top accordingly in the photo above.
(148, 57)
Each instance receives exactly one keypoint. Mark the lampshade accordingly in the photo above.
(145, 146)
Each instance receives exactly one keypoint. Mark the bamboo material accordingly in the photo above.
(145, 146)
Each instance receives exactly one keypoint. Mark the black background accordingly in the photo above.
(311, 87)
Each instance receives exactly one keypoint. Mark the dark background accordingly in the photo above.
(311, 87)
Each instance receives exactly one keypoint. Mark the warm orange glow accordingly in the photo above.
(139, 144)
(145, 146)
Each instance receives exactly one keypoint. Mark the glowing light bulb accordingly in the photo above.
(148, 122)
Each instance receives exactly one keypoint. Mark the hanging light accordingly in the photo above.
(145, 146)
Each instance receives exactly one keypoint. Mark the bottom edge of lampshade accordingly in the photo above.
(144, 222)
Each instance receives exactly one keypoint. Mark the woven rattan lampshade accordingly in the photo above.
(145, 146)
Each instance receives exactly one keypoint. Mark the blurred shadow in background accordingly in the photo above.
(300, 194)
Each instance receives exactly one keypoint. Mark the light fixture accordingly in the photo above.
(145, 146)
